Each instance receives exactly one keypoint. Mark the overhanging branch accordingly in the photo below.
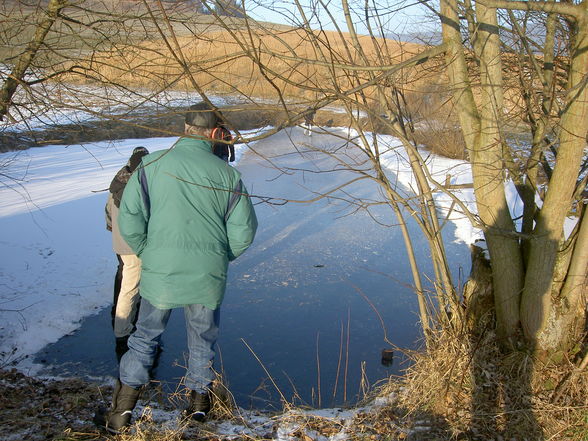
(539, 6)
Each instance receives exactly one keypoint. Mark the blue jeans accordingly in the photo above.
(202, 331)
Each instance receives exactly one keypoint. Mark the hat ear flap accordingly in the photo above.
(221, 134)
(214, 136)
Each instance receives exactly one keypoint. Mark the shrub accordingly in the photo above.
(442, 140)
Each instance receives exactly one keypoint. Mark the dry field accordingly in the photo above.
(261, 63)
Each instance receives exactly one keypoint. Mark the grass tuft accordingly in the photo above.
(481, 393)
(444, 140)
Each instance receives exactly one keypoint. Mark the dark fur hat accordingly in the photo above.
(135, 158)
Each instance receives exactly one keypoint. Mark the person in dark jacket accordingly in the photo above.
(126, 281)
(309, 121)
(186, 214)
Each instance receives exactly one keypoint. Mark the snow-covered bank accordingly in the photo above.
(456, 173)
(81, 103)
(48, 285)
(442, 170)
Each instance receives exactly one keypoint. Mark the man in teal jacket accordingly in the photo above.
(186, 214)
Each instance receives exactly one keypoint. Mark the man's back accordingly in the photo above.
(194, 220)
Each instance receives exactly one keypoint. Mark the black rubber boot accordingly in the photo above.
(199, 406)
(118, 417)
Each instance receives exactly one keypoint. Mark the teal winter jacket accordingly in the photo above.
(186, 214)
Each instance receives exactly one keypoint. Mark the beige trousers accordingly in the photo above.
(128, 298)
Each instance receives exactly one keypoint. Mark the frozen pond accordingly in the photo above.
(306, 304)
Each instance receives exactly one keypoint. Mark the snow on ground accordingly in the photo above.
(44, 273)
(291, 425)
(458, 172)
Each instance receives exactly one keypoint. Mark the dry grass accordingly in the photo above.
(227, 62)
(33, 409)
(482, 393)
(442, 139)
(62, 410)
(462, 388)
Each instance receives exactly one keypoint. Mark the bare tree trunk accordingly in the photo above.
(25, 59)
(487, 167)
(568, 318)
(537, 315)
(482, 134)
(457, 70)
(539, 127)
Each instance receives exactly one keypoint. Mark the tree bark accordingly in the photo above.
(25, 59)
(487, 167)
(568, 318)
(538, 317)
(481, 130)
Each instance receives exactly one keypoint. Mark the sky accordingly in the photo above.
(398, 17)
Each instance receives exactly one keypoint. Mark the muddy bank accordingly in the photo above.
(148, 125)
(37, 409)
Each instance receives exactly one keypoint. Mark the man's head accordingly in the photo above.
(201, 118)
